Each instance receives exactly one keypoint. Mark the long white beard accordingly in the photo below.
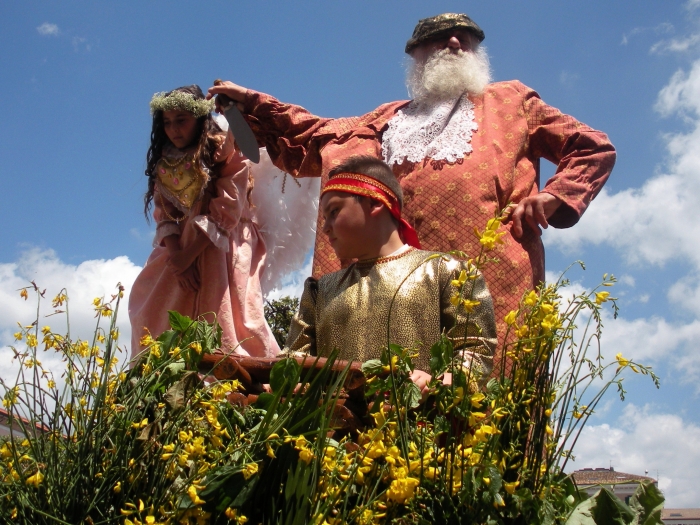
(446, 74)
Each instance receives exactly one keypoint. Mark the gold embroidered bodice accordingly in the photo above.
(351, 310)
(181, 180)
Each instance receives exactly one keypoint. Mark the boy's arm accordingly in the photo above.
(302, 331)
(468, 320)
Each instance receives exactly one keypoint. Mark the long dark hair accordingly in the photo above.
(207, 130)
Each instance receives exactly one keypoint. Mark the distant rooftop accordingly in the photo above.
(606, 476)
(687, 514)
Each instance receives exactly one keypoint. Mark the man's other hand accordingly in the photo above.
(533, 210)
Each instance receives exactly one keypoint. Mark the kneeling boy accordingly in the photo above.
(392, 283)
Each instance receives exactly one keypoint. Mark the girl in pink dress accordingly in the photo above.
(208, 253)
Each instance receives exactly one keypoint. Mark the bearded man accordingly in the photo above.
(463, 150)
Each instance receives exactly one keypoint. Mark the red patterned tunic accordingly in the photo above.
(445, 201)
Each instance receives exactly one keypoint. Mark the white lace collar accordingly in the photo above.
(437, 131)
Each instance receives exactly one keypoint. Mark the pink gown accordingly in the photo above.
(230, 267)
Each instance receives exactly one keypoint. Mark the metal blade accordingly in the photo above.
(244, 136)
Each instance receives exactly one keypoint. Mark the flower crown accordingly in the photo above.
(182, 101)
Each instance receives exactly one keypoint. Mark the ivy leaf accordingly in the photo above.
(179, 322)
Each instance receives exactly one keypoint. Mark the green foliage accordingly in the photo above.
(279, 314)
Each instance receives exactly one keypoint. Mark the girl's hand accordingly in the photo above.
(189, 279)
(233, 91)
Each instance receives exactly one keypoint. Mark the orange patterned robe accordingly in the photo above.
(445, 201)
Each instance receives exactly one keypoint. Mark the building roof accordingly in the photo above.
(606, 476)
(670, 514)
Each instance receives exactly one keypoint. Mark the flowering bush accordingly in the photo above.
(158, 443)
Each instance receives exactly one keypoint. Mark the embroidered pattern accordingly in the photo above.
(438, 132)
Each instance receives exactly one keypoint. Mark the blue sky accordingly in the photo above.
(77, 77)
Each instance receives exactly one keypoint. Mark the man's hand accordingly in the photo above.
(228, 89)
(535, 211)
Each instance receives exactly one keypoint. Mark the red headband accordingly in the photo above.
(359, 184)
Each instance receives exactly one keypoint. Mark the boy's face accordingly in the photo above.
(345, 222)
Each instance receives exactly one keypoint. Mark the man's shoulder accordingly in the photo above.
(508, 88)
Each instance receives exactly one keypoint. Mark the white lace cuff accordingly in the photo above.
(218, 236)
(163, 230)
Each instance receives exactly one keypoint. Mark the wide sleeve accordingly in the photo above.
(229, 198)
(584, 157)
(164, 213)
(467, 317)
(302, 332)
(290, 133)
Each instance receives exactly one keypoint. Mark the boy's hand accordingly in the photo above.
(421, 380)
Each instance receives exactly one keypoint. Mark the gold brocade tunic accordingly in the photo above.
(351, 309)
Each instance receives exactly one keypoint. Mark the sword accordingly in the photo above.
(244, 136)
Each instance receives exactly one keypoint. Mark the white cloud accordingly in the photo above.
(675, 45)
(646, 441)
(660, 219)
(84, 282)
(568, 79)
(47, 29)
(293, 284)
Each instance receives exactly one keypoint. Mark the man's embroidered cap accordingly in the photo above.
(438, 26)
(179, 100)
(360, 184)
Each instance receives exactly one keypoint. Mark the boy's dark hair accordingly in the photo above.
(371, 167)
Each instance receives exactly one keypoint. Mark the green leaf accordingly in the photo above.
(286, 371)
(647, 502)
(604, 508)
(179, 322)
(372, 367)
(440, 356)
(264, 400)
(177, 395)
(412, 396)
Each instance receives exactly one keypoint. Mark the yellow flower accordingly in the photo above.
(531, 298)
(59, 300)
(601, 297)
(306, 455)
(469, 305)
(550, 323)
(101, 338)
(192, 493)
(97, 301)
(457, 283)
(18, 336)
(31, 341)
(232, 514)
(394, 362)
(24, 294)
(46, 330)
(510, 487)
(196, 346)
(36, 479)
(270, 452)
(249, 470)
(117, 487)
(511, 317)
(11, 397)
(401, 490)
(621, 360)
